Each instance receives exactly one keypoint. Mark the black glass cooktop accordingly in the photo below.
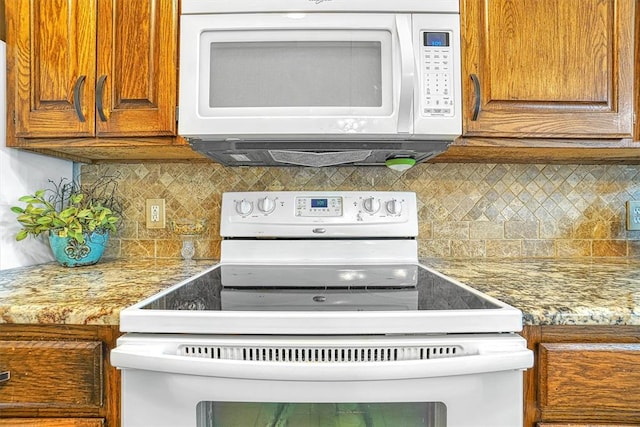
(320, 288)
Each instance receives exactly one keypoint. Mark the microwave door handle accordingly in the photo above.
(407, 72)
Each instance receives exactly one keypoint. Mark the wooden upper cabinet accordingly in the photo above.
(548, 68)
(137, 63)
(51, 66)
(84, 68)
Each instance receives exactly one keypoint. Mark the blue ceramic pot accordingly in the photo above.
(69, 253)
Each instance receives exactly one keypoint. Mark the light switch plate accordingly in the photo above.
(633, 215)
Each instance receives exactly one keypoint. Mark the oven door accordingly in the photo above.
(436, 381)
(315, 73)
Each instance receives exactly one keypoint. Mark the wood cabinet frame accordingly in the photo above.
(528, 130)
(74, 409)
(542, 411)
(94, 80)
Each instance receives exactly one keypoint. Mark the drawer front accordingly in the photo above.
(576, 425)
(590, 377)
(51, 422)
(52, 374)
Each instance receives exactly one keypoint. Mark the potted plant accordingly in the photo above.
(78, 219)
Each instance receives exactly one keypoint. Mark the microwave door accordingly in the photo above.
(296, 75)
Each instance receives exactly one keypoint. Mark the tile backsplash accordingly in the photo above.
(465, 210)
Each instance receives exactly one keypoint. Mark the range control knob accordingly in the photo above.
(371, 205)
(394, 207)
(244, 207)
(266, 205)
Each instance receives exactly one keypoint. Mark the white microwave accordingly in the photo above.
(330, 78)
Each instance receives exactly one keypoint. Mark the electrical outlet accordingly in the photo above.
(633, 215)
(154, 213)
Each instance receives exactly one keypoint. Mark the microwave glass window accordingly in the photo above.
(296, 74)
(250, 414)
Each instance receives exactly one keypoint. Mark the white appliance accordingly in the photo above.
(319, 314)
(319, 82)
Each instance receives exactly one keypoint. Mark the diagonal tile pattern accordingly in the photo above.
(465, 210)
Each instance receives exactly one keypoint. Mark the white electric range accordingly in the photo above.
(319, 310)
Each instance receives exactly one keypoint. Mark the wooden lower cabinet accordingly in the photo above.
(51, 422)
(59, 376)
(583, 425)
(584, 376)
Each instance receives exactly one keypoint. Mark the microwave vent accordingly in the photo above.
(308, 158)
(315, 153)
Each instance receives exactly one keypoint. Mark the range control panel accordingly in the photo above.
(319, 206)
(319, 214)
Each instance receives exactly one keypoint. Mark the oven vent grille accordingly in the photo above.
(321, 354)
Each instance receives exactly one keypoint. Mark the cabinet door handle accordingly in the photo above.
(5, 376)
(476, 104)
(77, 102)
(100, 96)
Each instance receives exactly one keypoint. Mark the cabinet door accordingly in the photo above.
(51, 67)
(51, 422)
(548, 68)
(589, 381)
(583, 425)
(137, 67)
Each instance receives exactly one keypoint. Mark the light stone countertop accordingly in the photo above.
(581, 292)
(598, 291)
(50, 293)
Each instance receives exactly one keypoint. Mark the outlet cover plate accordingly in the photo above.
(154, 213)
(633, 215)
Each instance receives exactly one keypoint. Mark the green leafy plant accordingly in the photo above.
(70, 210)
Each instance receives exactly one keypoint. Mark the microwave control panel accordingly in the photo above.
(437, 73)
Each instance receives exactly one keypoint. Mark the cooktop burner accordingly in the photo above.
(321, 288)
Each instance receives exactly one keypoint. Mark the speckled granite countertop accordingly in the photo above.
(49, 293)
(556, 292)
(582, 292)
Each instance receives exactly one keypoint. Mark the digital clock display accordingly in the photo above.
(319, 203)
(436, 39)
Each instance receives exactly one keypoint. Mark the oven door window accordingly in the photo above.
(233, 414)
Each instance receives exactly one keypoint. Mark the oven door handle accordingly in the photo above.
(145, 358)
